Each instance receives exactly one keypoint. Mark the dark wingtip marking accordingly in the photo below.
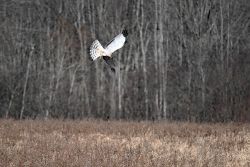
(125, 32)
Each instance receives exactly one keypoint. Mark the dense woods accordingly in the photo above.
(184, 60)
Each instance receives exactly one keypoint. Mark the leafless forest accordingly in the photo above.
(185, 60)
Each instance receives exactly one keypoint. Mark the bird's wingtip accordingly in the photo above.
(125, 32)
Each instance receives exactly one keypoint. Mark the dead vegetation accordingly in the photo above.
(99, 143)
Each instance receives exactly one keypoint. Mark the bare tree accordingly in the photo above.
(184, 60)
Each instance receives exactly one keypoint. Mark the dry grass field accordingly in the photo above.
(145, 144)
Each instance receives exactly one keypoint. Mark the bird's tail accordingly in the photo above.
(96, 50)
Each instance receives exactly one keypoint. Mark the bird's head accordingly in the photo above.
(125, 33)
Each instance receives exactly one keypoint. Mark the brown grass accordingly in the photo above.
(99, 143)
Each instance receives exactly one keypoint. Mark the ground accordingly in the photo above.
(116, 143)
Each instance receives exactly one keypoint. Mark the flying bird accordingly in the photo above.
(97, 50)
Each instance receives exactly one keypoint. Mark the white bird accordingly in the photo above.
(97, 50)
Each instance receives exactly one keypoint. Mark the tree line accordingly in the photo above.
(185, 60)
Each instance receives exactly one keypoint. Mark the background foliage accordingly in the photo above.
(184, 60)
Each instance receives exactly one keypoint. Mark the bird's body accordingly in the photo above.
(97, 50)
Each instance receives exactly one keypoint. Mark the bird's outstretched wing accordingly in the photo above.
(110, 62)
(115, 44)
(109, 43)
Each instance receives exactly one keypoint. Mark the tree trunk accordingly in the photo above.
(25, 84)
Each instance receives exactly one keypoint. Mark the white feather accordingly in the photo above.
(96, 49)
(116, 44)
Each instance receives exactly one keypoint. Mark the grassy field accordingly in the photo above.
(145, 144)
